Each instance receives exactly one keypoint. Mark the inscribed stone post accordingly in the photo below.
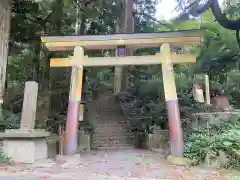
(29, 105)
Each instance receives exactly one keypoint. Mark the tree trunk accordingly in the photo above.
(5, 17)
(80, 21)
(36, 60)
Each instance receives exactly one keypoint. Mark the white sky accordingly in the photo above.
(165, 9)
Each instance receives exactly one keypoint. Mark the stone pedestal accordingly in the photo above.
(53, 146)
(84, 141)
(25, 146)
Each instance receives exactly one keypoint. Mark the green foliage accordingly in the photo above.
(213, 139)
(3, 158)
(8, 120)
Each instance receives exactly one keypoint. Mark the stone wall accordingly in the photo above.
(214, 117)
(159, 139)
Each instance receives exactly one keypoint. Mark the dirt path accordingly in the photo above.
(131, 164)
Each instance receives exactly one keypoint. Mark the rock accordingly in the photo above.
(222, 159)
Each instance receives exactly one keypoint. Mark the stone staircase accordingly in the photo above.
(111, 131)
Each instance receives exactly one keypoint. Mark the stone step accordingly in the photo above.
(102, 124)
(117, 114)
(111, 132)
(109, 127)
(112, 136)
(110, 120)
(105, 112)
(106, 145)
(114, 141)
(114, 148)
(105, 106)
(117, 139)
(101, 128)
(109, 115)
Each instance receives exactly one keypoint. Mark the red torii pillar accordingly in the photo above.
(175, 129)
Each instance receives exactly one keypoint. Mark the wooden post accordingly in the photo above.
(121, 51)
(61, 139)
(118, 69)
(207, 90)
(29, 106)
(175, 129)
(75, 95)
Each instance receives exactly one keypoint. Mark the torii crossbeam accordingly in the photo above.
(78, 61)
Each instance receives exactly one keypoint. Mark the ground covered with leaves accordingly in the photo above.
(118, 165)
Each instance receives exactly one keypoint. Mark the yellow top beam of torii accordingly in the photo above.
(138, 40)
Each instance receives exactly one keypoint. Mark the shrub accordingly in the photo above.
(8, 120)
(212, 140)
(3, 158)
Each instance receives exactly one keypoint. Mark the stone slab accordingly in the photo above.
(29, 105)
(160, 152)
(181, 161)
(18, 133)
(67, 161)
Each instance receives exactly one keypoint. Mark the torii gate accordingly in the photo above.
(162, 39)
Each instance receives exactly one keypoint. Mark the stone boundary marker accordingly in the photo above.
(26, 144)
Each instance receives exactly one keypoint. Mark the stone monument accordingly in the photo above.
(26, 144)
